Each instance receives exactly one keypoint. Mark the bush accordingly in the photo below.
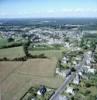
(11, 45)
(73, 69)
(88, 85)
(42, 56)
(20, 59)
(14, 59)
(10, 39)
(87, 92)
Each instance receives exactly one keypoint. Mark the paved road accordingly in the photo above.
(68, 80)
(63, 86)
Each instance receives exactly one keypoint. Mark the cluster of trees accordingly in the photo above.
(10, 39)
(89, 43)
(14, 59)
(24, 58)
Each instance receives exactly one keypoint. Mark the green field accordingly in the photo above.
(18, 52)
(49, 53)
(3, 42)
(12, 52)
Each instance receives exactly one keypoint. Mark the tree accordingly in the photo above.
(10, 39)
(73, 69)
(25, 47)
(88, 85)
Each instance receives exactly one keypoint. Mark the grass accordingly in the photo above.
(83, 90)
(12, 52)
(3, 42)
(49, 53)
(18, 52)
(32, 93)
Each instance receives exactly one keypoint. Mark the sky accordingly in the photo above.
(47, 8)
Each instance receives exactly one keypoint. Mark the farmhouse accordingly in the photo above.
(42, 90)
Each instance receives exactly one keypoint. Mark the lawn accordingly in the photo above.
(32, 93)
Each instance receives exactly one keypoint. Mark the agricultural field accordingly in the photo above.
(18, 52)
(20, 76)
(12, 52)
(3, 42)
(16, 77)
(49, 53)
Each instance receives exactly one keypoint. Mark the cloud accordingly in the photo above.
(80, 10)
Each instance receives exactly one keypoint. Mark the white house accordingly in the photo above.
(61, 73)
(62, 97)
(74, 62)
(86, 66)
(33, 99)
(80, 73)
(39, 93)
(69, 90)
(88, 69)
(76, 79)
(64, 60)
(91, 70)
(67, 45)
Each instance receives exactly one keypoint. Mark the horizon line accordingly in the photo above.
(44, 17)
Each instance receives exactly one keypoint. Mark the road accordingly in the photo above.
(68, 80)
(63, 86)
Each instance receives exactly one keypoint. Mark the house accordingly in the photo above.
(76, 79)
(64, 60)
(80, 73)
(78, 58)
(42, 90)
(88, 69)
(61, 73)
(68, 72)
(91, 70)
(74, 62)
(33, 99)
(67, 45)
(88, 61)
(86, 66)
(69, 90)
(62, 97)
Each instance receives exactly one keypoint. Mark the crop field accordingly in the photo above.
(12, 52)
(39, 67)
(17, 77)
(6, 68)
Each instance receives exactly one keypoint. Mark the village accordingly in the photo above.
(75, 67)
